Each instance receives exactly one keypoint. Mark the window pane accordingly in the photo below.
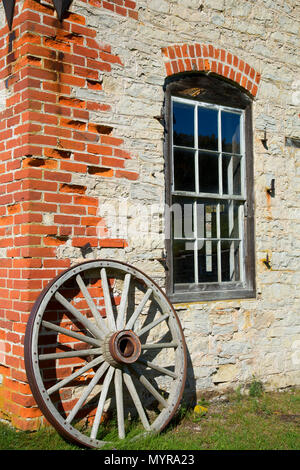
(208, 173)
(184, 170)
(207, 261)
(230, 261)
(230, 132)
(183, 261)
(183, 217)
(207, 129)
(229, 219)
(206, 219)
(231, 174)
(183, 124)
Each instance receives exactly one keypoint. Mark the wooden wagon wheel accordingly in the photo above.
(103, 338)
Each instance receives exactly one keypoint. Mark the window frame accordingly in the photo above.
(213, 91)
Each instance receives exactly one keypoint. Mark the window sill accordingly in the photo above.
(194, 297)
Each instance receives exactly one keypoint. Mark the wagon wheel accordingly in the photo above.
(102, 340)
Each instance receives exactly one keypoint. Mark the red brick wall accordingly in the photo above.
(47, 137)
(206, 57)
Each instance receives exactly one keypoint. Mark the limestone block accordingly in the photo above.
(227, 373)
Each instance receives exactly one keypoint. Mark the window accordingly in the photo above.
(210, 242)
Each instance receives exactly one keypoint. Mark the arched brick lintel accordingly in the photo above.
(206, 57)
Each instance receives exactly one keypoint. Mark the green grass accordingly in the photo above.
(263, 421)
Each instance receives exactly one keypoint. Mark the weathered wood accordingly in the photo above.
(152, 324)
(153, 366)
(159, 345)
(83, 320)
(87, 392)
(72, 334)
(136, 399)
(123, 305)
(119, 402)
(149, 387)
(138, 310)
(101, 402)
(75, 353)
(107, 300)
(99, 320)
(75, 374)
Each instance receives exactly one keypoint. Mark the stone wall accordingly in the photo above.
(229, 342)
(85, 136)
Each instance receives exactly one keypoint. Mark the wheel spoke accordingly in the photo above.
(136, 400)
(149, 387)
(123, 304)
(101, 402)
(87, 391)
(65, 354)
(107, 300)
(75, 374)
(119, 402)
(83, 320)
(72, 334)
(158, 368)
(138, 310)
(159, 345)
(152, 324)
(99, 320)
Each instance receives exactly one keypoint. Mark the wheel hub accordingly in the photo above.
(123, 347)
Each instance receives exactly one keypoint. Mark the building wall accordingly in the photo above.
(78, 134)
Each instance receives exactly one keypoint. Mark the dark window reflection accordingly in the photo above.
(207, 261)
(183, 261)
(230, 261)
(182, 217)
(231, 175)
(207, 219)
(183, 124)
(207, 129)
(230, 132)
(208, 173)
(229, 219)
(184, 170)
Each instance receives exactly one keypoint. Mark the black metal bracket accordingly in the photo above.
(61, 6)
(271, 189)
(264, 141)
(9, 8)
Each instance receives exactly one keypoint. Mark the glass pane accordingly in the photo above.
(183, 261)
(183, 217)
(207, 219)
(230, 132)
(229, 219)
(207, 129)
(230, 261)
(183, 124)
(231, 174)
(207, 261)
(208, 173)
(184, 170)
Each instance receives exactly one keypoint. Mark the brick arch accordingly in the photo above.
(206, 57)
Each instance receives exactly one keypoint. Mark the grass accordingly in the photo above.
(260, 421)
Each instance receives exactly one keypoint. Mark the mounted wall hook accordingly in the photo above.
(271, 189)
(160, 119)
(264, 141)
(267, 261)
